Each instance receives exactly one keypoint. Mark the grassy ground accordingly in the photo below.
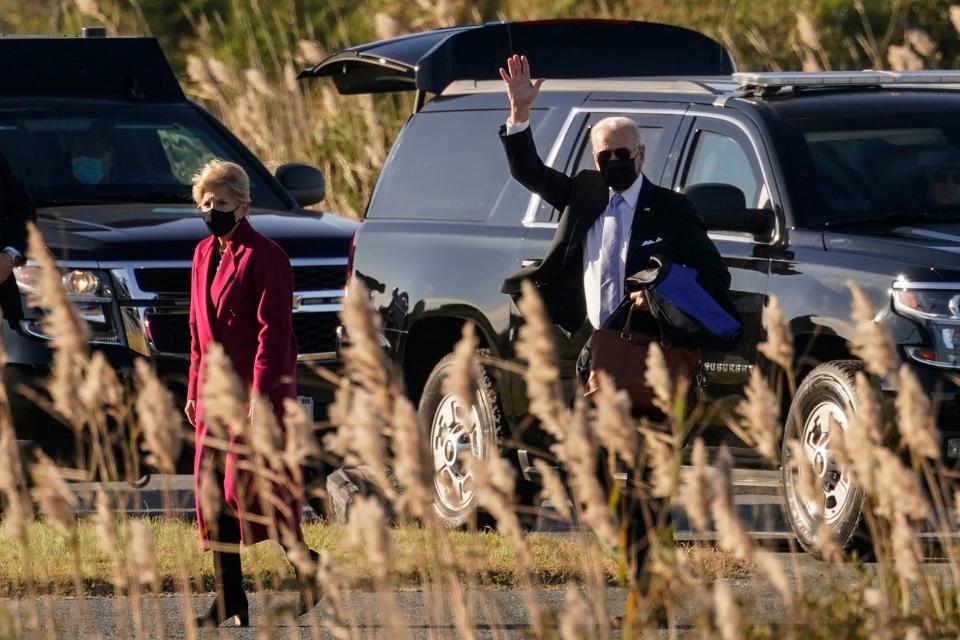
(487, 556)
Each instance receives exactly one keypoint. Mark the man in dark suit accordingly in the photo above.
(614, 219)
(16, 208)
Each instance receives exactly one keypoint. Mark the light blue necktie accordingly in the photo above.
(611, 266)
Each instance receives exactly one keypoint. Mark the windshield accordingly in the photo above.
(899, 169)
(71, 155)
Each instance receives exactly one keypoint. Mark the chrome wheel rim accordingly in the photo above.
(828, 474)
(453, 442)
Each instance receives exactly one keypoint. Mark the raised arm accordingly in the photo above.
(525, 164)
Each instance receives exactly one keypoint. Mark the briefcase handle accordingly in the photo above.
(627, 333)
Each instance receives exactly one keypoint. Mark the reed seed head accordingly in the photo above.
(727, 613)
(778, 346)
(613, 424)
(915, 419)
(159, 419)
(57, 503)
(871, 342)
(553, 490)
(696, 493)
(760, 416)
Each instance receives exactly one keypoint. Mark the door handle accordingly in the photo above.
(530, 262)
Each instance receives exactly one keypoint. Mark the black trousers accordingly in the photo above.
(228, 572)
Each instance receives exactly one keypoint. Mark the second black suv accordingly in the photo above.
(806, 182)
(105, 141)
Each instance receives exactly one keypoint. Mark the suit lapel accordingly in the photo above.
(228, 265)
(203, 268)
(643, 217)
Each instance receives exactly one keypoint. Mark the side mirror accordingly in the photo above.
(305, 183)
(723, 208)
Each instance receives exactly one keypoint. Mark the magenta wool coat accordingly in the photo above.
(252, 294)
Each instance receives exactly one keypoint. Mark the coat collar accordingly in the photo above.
(236, 247)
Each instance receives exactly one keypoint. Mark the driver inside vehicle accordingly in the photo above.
(91, 158)
(941, 169)
(944, 183)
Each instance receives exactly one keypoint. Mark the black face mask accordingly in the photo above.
(220, 223)
(618, 174)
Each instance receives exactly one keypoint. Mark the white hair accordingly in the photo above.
(614, 123)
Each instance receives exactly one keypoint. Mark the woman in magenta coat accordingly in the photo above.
(241, 296)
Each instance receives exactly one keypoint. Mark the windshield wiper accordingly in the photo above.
(896, 217)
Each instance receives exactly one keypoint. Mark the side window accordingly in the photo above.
(725, 158)
(656, 133)
(446, 165)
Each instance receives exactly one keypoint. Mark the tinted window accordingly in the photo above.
(81, 155)
(867, 169)
(717, 158)
(446, 165)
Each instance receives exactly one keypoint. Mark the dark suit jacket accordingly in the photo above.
(16, 208)
(666, 220)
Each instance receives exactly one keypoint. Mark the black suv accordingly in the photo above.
(806, 182)
(124, 228)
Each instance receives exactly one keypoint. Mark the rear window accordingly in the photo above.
(447, 165)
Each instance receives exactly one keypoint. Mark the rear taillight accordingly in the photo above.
(353, 247)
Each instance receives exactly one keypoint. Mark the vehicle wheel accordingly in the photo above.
(452, 442)
(827, 391)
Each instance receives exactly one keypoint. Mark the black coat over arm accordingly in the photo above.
(665, 223)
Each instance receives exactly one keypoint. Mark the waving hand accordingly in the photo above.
(521, 91)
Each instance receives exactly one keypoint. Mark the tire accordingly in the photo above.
(449, 442)
(829, 389)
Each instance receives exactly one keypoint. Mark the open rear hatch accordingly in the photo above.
(429, 61)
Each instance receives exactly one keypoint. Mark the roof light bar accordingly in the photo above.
(768, 82)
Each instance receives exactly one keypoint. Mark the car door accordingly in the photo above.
(721, 150)
(572, 153)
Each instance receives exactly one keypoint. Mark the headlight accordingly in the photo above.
(87, 289)
(938, 310)
(81, 282)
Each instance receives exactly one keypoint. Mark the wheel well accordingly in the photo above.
(810, 350)
(427, 342)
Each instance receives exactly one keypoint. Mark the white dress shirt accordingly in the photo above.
(592, 276)
(591, 251)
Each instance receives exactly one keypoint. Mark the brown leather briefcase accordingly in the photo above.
(622, 354)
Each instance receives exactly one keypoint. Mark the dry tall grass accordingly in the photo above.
(376, 425)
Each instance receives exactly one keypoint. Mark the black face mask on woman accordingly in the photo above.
(618, 173)
(220, 223)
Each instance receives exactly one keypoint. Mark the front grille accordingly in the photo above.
(164, 280)
(170, 332)
(316, 332)
(177, 280)
(320, 278)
